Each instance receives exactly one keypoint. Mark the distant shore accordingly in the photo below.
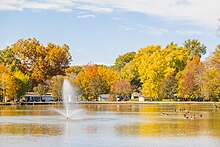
(107, 102)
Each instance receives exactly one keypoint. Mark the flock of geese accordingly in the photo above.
(186, 114)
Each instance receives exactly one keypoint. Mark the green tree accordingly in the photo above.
(169, 88)
(130, 73)
(7, 57)
(122, 60)
(55, 87)
(23, 83)
(195, 47)
(41, 89)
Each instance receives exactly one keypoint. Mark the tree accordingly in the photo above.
(211, 82)
(73, 70)
(121, 88)
(130, 73)
(57, 58)
(215, 58)
(195, 47)
(8, 84)
(8, 58)
(23, 83)
(95, 80)
(41, 63)
(55, 87)
(169, 88)
(154, 69)
(122, 60)
(191, 79)
(41, 89)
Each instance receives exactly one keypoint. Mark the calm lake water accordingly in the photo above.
(110, 125)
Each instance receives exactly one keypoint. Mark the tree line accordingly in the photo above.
(173, 72)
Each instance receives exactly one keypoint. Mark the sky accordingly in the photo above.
(98, 31)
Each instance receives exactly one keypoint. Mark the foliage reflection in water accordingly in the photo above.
(111, 125)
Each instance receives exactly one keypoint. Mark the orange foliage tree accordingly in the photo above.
(41, 63)
(94, 80)
(191, 79)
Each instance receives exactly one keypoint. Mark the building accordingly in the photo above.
(33, 97)
(103, 97)
(140, 97)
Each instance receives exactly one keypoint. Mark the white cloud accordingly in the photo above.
(126, 29)
(94, 8)
(58, 5)
(189, 33)
(201, 12)
(145, 29)
(86, 16)
(154, 30)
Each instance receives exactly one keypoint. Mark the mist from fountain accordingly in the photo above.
(69, 97)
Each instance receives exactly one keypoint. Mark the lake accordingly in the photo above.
(125, 125)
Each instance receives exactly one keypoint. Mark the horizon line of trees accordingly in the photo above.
(171, 72)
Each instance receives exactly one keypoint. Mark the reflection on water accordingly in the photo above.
(30, 129)
(111, 125)
(155, 129)
(146, 120)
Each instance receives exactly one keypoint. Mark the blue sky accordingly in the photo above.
(98, 31)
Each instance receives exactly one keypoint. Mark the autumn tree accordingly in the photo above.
(57, 58)
(211, 79)
(215, 58)
(39, 62)
(121, 88)
(211, 84)
(153, 69)
(155, 65)
(8, 84)
(95, 80)
(191, 79)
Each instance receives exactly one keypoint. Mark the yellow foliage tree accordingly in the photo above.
(8, 84)
(154, 65)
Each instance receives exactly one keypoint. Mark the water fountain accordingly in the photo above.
(69, 97)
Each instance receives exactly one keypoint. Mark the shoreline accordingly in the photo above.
(103, 102)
